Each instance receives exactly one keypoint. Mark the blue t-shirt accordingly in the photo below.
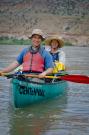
(46, 55)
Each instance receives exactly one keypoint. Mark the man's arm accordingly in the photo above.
(10, 68)
(46, 72)
(48, 65)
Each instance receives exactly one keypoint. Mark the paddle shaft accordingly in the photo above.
(72, 78)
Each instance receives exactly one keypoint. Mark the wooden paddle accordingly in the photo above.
(72, 78)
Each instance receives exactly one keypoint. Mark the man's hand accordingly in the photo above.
(42, 75)
(1, 73)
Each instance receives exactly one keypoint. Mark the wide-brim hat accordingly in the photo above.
(37, 32)
(54, 37)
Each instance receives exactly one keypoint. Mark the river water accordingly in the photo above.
(68, 115)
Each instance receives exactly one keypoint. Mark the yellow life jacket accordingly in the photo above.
(58, 67)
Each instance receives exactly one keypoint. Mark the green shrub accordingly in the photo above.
(68, 44)
(14, 41)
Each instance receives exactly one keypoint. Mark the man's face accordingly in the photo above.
(36, 40)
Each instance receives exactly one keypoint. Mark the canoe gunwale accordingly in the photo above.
(40, 83)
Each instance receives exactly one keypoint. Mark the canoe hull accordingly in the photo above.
(25, 93)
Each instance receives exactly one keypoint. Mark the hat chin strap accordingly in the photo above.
(54, 50)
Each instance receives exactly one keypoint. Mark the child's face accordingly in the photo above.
(54, 43)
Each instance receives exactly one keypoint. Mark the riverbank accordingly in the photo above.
(67, 19)
(15, 41)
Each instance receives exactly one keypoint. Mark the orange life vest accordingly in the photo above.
(33, 62)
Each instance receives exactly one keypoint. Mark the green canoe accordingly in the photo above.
(26, 92)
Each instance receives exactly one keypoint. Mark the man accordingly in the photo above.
(34, 59)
